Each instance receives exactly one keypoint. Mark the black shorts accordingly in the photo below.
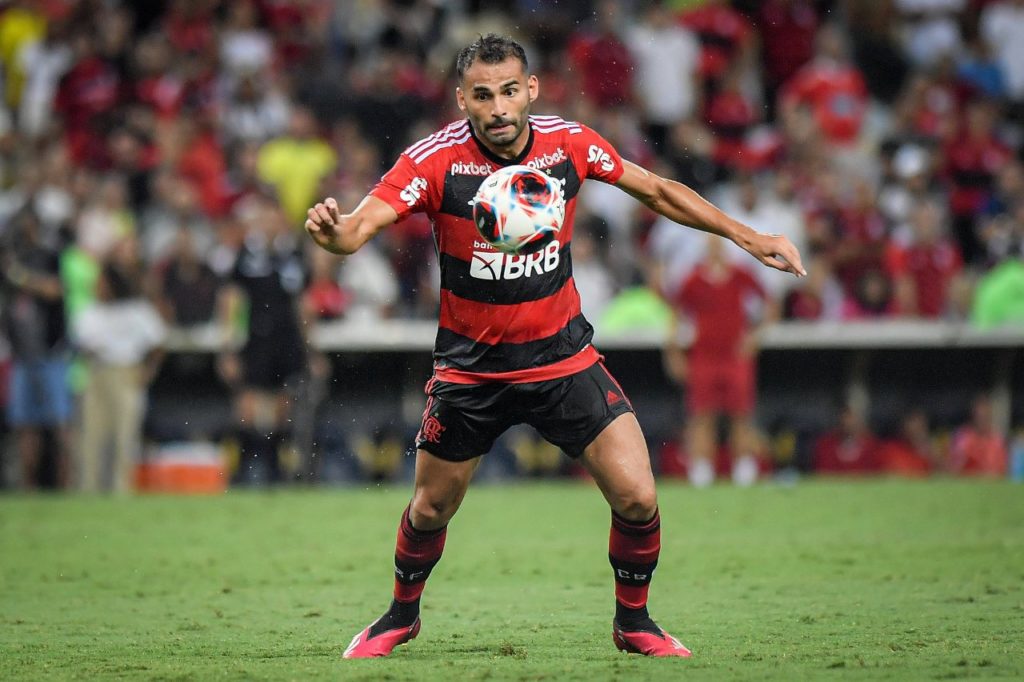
(271, 364)
(462, 421)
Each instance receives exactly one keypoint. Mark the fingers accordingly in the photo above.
(323, 215)
(784, 256)
(332, 210)
(780, 262)
(793, 257)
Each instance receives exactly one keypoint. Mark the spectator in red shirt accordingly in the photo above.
(911, 453)
(978, 447)
(730, 115)
(924, 270)
(157, 85)
(603, 60)
(788, 28)
(831, 87)
(720, 369)
(88, 94)
(849, 448)
(201, 161)
(863, 238)
(972, 161)
(726, 37)
(190, 26)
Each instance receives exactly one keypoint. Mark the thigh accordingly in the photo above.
(620, 464)
(570, 412)
(58, 392)
(20, 402)
(701, 395)
(738, 387)
(439, 489)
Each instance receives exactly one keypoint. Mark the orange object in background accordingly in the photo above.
(183, 468)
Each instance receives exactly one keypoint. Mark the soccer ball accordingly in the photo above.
(518, 209)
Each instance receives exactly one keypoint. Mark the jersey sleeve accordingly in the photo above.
(407, 188)
(602, 160)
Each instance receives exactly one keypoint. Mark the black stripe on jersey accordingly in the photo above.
(461, 352)
(459, 190)
(455, 278)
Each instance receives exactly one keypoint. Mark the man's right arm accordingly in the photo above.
(345, 234)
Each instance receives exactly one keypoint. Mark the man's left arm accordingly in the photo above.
(679, 203)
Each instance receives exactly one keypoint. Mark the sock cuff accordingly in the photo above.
(413, 533)
(636, 528)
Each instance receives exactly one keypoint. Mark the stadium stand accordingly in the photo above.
(884, 138)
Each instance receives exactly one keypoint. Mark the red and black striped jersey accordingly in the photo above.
(503, 317)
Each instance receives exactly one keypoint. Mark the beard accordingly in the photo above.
(500, 136)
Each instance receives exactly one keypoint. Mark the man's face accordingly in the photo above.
(497, 99)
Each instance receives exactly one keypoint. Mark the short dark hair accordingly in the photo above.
(490, 49)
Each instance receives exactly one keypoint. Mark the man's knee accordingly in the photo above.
(430, 512)
(638, 505)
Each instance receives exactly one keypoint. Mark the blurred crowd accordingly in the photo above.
(155, 152)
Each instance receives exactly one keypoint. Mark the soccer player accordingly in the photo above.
(512, 345)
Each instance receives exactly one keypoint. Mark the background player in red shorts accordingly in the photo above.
(721, 367)
(512, 346)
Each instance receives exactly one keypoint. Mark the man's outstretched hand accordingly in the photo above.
(323, 222)
(776, 251)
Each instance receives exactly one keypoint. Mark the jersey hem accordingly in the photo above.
(556, 370)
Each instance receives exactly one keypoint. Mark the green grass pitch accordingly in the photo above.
(826, 580)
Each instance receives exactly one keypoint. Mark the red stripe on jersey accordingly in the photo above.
(571, 365)
(516, 323)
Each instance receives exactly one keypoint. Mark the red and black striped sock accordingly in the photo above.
(633, 549)
(416, 554)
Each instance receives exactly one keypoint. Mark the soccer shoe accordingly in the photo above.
(648, 643)
(381, 644)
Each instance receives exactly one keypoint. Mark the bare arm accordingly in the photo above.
(679, 203)
(347, 233)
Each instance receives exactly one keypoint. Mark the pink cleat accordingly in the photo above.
(648, 643)
(364, 645)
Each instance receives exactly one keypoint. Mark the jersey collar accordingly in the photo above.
(491, 156)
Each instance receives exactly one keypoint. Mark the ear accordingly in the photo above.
(460, 99)
(533, 87)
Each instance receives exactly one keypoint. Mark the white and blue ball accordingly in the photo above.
(519, 209)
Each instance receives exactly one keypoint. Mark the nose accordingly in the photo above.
(498, 108)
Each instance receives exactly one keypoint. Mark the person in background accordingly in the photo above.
(848, 448)
(925, 269)
(33, 322)
(978, 447)
(121, 335)
(296, 162)
(720, 369)
(188, 285)
(267, 279)
(912, 452)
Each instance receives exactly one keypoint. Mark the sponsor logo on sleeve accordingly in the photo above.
(413, 191)
(596, 155)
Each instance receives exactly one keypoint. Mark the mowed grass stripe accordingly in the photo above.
(822, 580)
